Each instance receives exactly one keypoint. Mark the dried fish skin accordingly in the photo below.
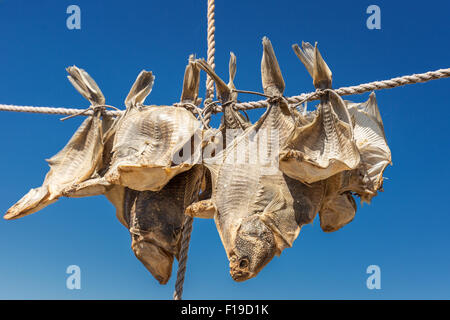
(339, 208)
(325, 146)
(261, 216)
(372, 144)
(338, 213)
(76, 162)
(147, 144)
(73, 164)
(153, 257)
(367, 179)
(35, 200)
(322, 148)
(156, 220)
(148, 140)
(97, 184)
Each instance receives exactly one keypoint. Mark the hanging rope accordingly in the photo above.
(344, 91)
(211, 48)
(188, 222)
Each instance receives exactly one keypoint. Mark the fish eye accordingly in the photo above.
(243, 263)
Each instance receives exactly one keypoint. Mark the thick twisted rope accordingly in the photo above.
(188, 222)
(185, 240)
(362, 88)
(211, 48)
(344, 91)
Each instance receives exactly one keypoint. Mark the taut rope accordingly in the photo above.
(344, 91)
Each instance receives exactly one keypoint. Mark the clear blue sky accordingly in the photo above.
(404, 231)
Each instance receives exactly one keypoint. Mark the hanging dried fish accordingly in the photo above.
(326, 145)
(372, 145)
(148, 142)
(77, 160)
(231, 119)
(233, 124)
(97, 184)
(257, 209)
(154, 218)
(339, 207)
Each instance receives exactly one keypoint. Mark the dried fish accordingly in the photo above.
(257, 209)
(233, 124)
(77, 160)
(148, 141)
(156, 220)
(339, 207)
(326, 145)
(372, 145)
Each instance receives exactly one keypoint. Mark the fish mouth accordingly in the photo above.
(157, 260)
(240, 276)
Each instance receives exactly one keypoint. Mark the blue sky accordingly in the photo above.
(404, 230)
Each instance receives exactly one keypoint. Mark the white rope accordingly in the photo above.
(188, 222)
(211, 48)
(344, 91)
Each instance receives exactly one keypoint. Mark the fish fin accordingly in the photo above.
(205, 209)
(223, 91)
(270, 217)
(35, 200)
(317, 67)
(191, 82)
(85, 85)
(306, 56)
(337, 211)
(272, 79)
(232, 68)
(140, 89)
(88, 188)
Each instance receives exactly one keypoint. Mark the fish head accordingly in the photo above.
(157, 260)
(254, 246)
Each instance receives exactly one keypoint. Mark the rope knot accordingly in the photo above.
(100, 108)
